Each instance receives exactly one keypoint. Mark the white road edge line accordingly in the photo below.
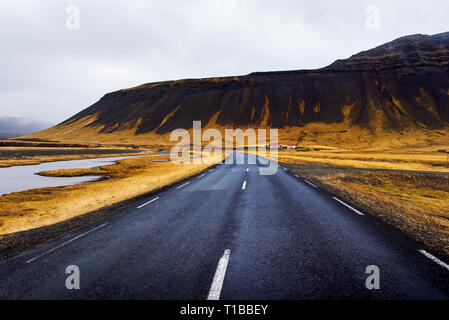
(201, 176)
(435, 259)
(217, 283)
(182, 185)
(64, 243)
(310, 184)
(211, 170)
(244, 185)
(143, 205)
(347, 205)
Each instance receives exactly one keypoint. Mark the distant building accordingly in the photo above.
(275, 146)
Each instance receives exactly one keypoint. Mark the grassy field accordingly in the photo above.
(126, 179)
(416, 160)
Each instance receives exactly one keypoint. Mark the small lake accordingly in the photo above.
(20, 178)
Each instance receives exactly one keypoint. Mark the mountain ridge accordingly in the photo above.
(400, 86)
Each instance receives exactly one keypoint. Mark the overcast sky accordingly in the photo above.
(49, 71)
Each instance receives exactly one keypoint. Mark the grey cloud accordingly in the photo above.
(14, 126)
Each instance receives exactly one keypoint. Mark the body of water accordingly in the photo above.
(20, 178)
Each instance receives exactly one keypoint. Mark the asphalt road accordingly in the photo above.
(230, 233)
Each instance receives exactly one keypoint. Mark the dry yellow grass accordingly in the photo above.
(416, 161)
(72, 172)
(127, 179)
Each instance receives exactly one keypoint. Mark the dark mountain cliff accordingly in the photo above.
(402, 84)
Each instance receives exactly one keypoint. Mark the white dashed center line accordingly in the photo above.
(182, 185)
(217, 283)
(143, 205)
(347, 205)
(247, 169)
(310, 183)
(244, 185)
(65, 243)
(435, 259)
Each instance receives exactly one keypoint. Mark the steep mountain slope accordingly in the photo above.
(398, 91)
